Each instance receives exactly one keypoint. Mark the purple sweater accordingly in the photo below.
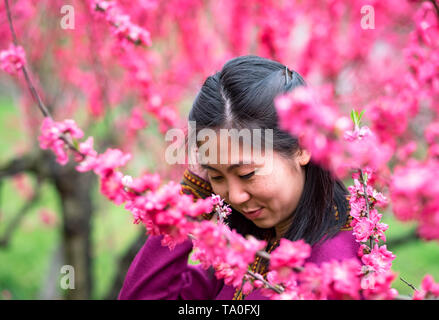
(159, 273)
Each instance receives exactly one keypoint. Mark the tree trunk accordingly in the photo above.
(75, 191)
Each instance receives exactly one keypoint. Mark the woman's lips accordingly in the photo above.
(253, 214)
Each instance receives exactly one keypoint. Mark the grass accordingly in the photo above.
(414, 259)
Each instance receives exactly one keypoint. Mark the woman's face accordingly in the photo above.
(266, 197)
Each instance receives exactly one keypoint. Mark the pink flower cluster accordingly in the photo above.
(287, 256)
(429, 289)
(166, 115)
(413, 191)
(12, 59)
(164, 211)
(168, 212)
(347, 279)
(301, 280)
(104, 165)
(123, 28)
(51, 133)
(368, 230)
(314, 119)
(221, 209)
(366, 225)
(227, 251)
(422, 51)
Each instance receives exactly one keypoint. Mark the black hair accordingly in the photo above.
(242, 95)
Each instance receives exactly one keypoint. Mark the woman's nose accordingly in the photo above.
(237, 194)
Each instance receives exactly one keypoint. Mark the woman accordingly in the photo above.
(297, 199)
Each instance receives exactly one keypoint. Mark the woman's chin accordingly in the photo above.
(263, 223)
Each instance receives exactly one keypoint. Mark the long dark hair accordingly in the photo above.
(242, 95)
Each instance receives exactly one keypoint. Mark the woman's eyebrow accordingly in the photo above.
(230, 168)
(205, 166)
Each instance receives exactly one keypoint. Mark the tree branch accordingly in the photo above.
(366, 197)
(24, 163)
(15, 223)
(31, 87)
(407, 283)
(266, 283)
(25, 73)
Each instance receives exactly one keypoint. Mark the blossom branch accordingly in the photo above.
(32, 88)
(366, 197)
(23, 68)
(265, 255)
(256, 276)
(408, 283)
(15, 223)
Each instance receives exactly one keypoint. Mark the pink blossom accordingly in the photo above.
(429, 289)
(164, 210)
(357, 134)
(363, 229)
(12, 59)
(357, 204)
(379, 259)
(222, 210)
(428, 226)
(378, 286)
(342, 278)
(247, 287)
(288, 255)
(379, 227)
(227, 251)
(87, 151)
(362, 250)
(112, 187)
(144, 183)
(50, 137)
(121, 23)
(413, 192)
(109, 161)
(312, 284)
(313, 117)
(47, 217)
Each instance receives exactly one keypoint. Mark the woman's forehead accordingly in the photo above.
(230, 149)
(228, 155)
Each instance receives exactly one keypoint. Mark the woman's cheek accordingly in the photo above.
(218, 189)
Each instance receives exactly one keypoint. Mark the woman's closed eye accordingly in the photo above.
(247, 176)
(217, 178)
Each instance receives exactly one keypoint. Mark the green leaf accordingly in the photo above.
(353, 115)
(356, 118)
(76, 144)
(361, 115)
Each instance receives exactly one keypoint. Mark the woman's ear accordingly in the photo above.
(304, 157)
